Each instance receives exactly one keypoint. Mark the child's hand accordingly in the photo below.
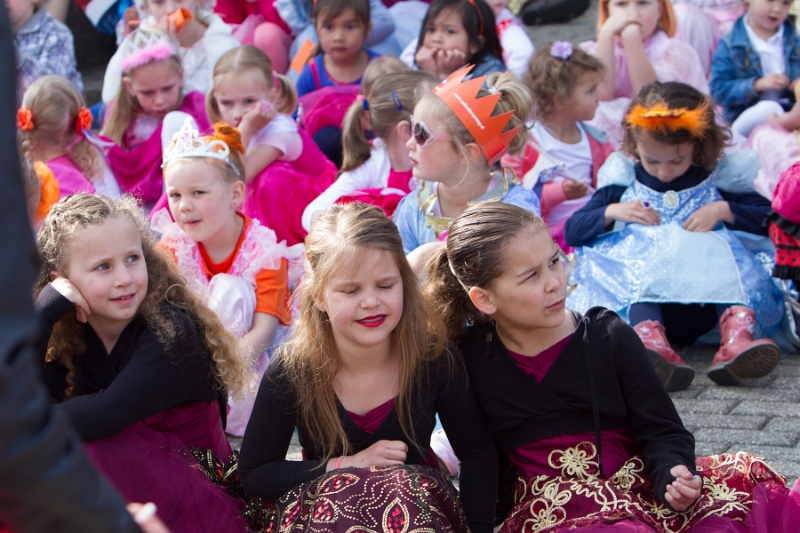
(707, 217)
(256, 118)
(447, 61)
(618, 22)
(167, 25)
(382, 453)
(632, 30)
(686, 488)
(69, 291)
(631, 212)
(425, 59)
(574, 189)
(771, 82)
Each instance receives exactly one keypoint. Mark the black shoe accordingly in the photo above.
(538, 12)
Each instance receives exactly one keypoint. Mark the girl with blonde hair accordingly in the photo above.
(54, 128)
(362, 379)
(283, 168)
(149, 106)
(140, 365)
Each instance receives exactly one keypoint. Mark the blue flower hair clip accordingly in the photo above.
(561, 49)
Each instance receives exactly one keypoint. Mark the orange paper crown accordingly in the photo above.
(663, 119)
(476, 113)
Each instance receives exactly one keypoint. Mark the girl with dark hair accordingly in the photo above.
(664, 226)
(457, 32)
(574, 401)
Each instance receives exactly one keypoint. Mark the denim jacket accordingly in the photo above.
(736, 66)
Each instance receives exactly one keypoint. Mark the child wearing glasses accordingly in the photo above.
(459, 130)
(377, 172)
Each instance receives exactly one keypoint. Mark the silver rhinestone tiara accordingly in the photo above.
(187, 143)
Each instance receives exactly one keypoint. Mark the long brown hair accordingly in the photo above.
(474, 257)
(165, 285)
(310, 357)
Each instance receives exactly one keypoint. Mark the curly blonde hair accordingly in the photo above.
(311, 358)
(65, 222)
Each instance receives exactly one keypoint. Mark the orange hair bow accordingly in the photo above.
(48, 185)
(24, 119)
(663, 119)
(83, 121)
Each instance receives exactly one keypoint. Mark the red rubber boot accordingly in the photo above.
(739, 356)
(673, 371)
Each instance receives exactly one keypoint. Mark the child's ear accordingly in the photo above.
(476, 45)
(403, 130)
(320, 303)
(473, 152)
(126, 81)
(482, 300)
(238, 194)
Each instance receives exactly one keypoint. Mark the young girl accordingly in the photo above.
(284, 169)
(573, 399)
(564, 81)
(342, 26)
(139, 365)
(457, 32)
(756, 65)
(664, 225)
(362, 379)
(201, 34)
(636, 46)
(458, 131)
(142, 117)
(53, 124)
(236, 258)
(378, 173)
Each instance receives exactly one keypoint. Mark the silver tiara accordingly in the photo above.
(187, 143)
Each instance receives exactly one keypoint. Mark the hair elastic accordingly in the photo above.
(396, 99)
(364, 102)
(24, 119)
(561, 49)
(83, 121)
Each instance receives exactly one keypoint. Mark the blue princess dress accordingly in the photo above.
(420, 220)
(634, 263)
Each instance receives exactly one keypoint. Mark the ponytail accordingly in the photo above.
(391, 101)
(287, 94)
(355, 146)
(448, 298)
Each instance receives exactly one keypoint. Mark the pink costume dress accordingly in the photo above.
(69, 177)
(233, 294)
(702, 22)
(558, 490)
(777, 150)
(672, 60)
(279, 194)
(138, 169)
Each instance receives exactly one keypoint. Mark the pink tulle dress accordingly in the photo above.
(702, 22)
(777, 150)
(279, 194)
(672, 60)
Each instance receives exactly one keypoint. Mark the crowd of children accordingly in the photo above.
(296, 219)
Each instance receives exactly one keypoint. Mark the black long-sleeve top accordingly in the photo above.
(139, 378)
(521, 410)
(444, 389)
(586, 224)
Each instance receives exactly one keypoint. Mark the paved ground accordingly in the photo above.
(761, 416)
